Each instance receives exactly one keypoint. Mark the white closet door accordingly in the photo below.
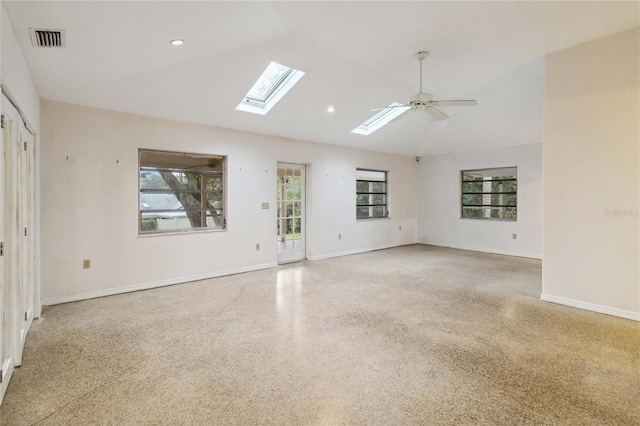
(10, 286)
(17, 265)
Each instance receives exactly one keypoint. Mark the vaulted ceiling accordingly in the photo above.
(356, 56)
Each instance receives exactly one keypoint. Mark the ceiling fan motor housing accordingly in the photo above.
(421, 99)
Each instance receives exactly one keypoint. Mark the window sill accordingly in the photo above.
(488, 219)
(369, 219)
(162, 234)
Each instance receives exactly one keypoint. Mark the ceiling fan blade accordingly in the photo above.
(389, 107)
(400, 116)
(455, 103)
(436, 113)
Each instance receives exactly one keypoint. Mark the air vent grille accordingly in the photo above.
(47, 38)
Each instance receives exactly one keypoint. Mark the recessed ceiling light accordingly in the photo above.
(177, 42)
(330, 108)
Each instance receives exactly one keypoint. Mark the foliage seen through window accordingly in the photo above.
(180, 192)
(371, 194)
(490, 193)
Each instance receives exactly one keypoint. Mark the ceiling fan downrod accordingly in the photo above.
(420, 56)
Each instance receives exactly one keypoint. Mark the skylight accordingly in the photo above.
(272, 85)
(382, 118)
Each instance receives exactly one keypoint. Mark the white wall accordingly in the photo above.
(90, 190)
(439, 221)
(591, 192)
(16, 79)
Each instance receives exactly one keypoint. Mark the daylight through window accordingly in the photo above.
(371, 194)
(180, 192)
(490, 193)
(384, 117)
(270, 87)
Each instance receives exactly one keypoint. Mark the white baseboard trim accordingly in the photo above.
(181, 280)
(155, 284)
(502, 252)
(635, 316)
(355, 251)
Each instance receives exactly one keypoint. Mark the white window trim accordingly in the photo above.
(381, 119)
(183, 231)
(493, 171)
(386, 195)
(274, 95)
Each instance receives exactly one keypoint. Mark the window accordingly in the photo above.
(371, 194)
(384, 117)
(272, 85)
(490, 193)
(180, 192)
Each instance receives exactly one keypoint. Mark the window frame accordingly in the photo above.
(273, 95)
(371, 205)
(381, 119)
(498, 176)
(205, 212)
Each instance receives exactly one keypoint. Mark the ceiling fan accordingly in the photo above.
(425, 102)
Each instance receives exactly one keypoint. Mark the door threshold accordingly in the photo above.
(292, 261)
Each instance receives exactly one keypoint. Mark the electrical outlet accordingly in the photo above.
(257, 246)
(265, 206)
(339, 236)
(400, 228)
(86, 264)
(515, 236)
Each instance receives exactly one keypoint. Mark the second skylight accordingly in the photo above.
(382, 118)
(272, 85)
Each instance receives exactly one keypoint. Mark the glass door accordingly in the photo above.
(290, 187)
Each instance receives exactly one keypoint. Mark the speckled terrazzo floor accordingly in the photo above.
(411, 335)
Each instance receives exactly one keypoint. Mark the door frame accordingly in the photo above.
(20, 290)
(282, 259)
(27, 209)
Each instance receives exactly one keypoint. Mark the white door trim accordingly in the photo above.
(18, 267)
(291, 213)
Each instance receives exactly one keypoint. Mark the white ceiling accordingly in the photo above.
(356, 56)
